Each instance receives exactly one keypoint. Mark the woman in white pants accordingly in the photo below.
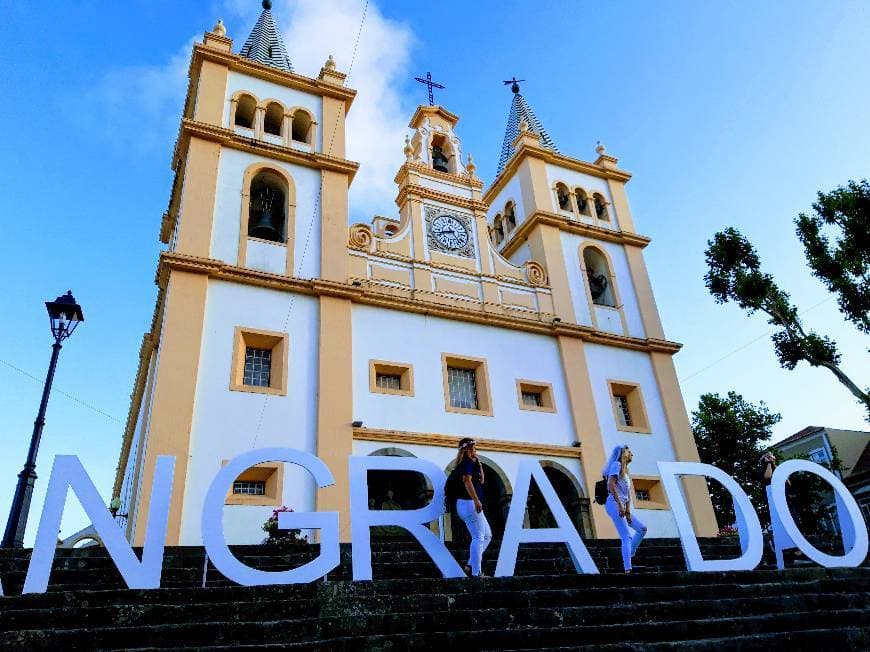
(619, 503)
(469, 505)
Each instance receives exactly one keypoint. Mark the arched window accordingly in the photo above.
(563, 197)
(582, 201)
(600, 207)
(390, 230)
(302, 126)
(245, 109)
(510, 218)
(599, 278)
(273, 119)
(267, 216)
(497, 230)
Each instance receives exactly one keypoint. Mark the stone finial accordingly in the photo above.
(524, 126)
(330, 63)
(601, 149)
(408, 150)
(219, 28)
(470, 166)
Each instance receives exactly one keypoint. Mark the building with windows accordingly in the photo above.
(518, 313)
(852, 447)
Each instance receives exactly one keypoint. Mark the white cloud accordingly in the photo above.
(140, 106)
(377, 122)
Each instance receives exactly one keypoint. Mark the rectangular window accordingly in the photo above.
(629, 411)
(259, 362)
(262, 484)
(535, 396)
(819, 456)
(641, 495)
(466, 385)
(258, 367)
(391, 378)
(623, 414)
(248, 488)
(463, 388)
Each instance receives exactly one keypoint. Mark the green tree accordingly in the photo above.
(730, 434)
(734, 274)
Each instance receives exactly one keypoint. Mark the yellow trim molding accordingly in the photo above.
(452, 441)
(276, 342)
(481, 375)
(401, 369)
(545, 390)
(408, 300)
(569, 225)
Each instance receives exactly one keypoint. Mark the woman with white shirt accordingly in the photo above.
(619, 503)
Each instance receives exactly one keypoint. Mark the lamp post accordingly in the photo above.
(64, 314)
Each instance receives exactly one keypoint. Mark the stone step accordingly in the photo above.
(494, 628)
(202, 607)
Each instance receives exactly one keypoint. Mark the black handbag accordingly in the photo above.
(601, 491)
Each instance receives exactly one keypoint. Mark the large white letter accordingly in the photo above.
(68, 473)
(515, 534)
(412, 520)
(786, 533)
(748, 526)
(214, 539)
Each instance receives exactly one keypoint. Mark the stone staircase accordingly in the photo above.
(547, 605)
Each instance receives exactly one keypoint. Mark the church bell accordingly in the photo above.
(266, 217)
(439, 161)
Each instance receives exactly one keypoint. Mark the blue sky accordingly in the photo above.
(726, 113)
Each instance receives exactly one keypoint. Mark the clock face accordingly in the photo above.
(450, 232)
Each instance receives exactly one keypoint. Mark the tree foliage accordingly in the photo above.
(811, 499)
(730, 433)
(734, 274)
(844, 267)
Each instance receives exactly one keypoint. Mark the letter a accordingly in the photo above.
(515, 534)
(68, 473)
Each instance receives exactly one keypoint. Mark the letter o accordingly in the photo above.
(845, 500)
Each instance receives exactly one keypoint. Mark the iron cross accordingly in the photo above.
(430, 84)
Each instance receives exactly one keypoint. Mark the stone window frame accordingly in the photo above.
(277, 343)
(272, 473)
(404, 370)
(636, 405)
(536, 387)
(481, 374)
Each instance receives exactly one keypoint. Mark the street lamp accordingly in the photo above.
(64, 314)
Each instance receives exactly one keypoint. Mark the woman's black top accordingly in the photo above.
(475, 470)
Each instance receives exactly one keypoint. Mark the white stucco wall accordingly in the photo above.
(228, 203)
(420, 340)
(263, 90)
(609, 363)
(225, 422)
(511, 192)
(577, 281)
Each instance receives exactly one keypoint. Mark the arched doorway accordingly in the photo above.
(496, 503)
(570, 495)
(396, 490)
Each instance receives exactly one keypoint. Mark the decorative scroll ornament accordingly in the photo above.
(536, 273)
(360, 237)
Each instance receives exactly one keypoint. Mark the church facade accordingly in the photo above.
(519, 313)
